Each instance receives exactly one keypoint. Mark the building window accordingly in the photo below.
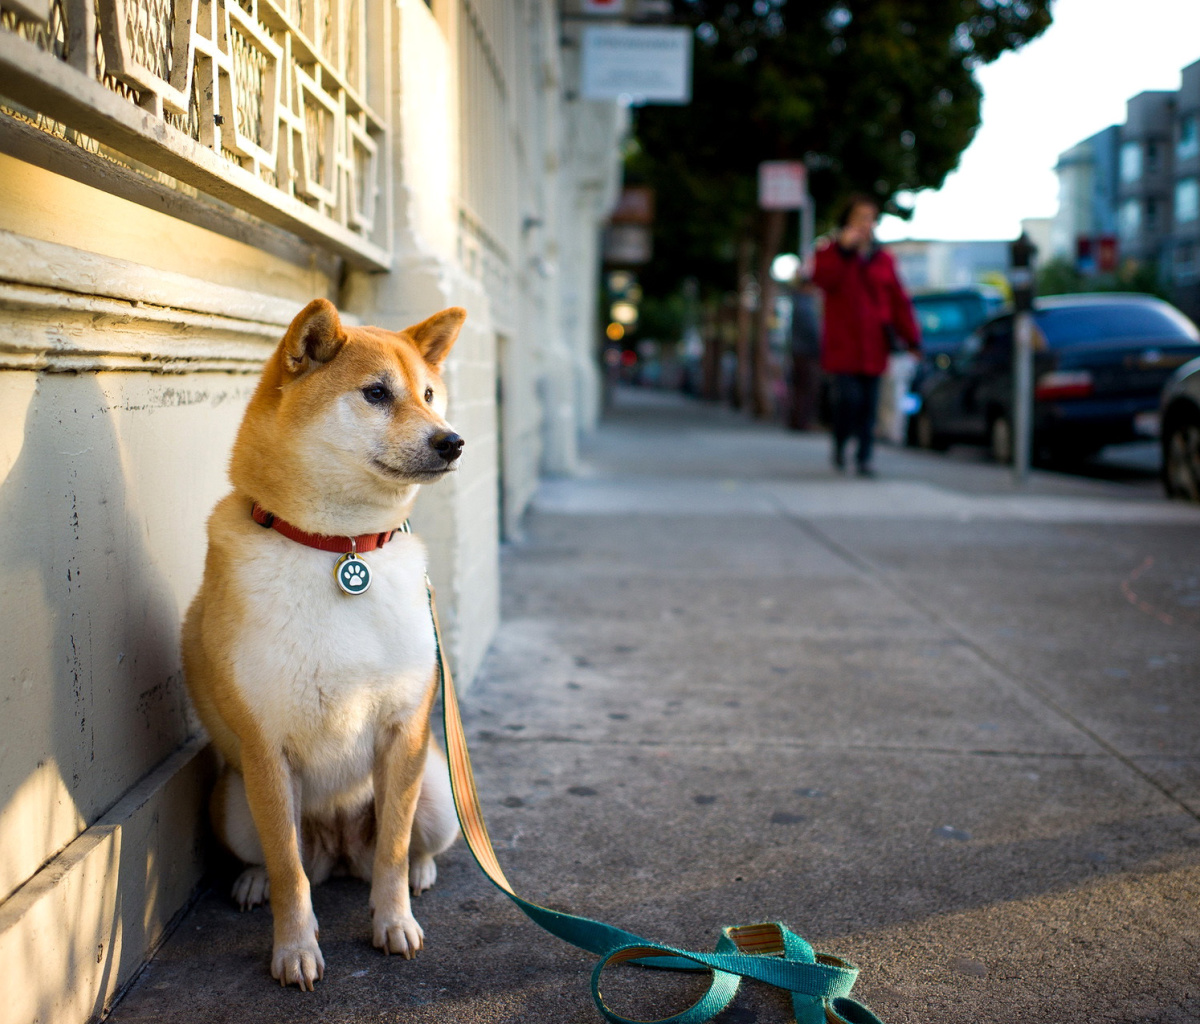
(1131, 161)
(1151, 157)
(1129, 220)
(1188, 145)
(1187, 200)
(1151, 219)
(1185, 262)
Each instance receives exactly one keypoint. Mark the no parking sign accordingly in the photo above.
(782, 184)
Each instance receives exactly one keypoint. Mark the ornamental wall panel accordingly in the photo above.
(264, 104)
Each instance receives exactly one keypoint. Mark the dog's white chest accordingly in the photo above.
(325, 669)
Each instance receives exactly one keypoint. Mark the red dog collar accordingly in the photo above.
(323, 542)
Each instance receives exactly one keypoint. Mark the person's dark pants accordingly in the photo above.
(855, 398)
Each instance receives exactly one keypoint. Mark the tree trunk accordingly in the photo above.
(710, 366)
(747, 302)
(772, 224)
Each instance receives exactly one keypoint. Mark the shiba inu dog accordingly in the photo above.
(317, 690)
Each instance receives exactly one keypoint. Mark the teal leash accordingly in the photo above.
(819, 984)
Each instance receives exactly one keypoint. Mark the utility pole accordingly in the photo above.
(807, 223)
(747, 304)
(782, 186)
(772, 224)
(1022, 254)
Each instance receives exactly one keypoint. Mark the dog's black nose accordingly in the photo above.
(447, 444)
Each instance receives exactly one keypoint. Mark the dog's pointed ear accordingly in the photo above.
(436, 336)
(314, 337)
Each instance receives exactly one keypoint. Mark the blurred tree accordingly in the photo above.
(874, 95)
(662, 318)
(1059, 276)
(1142, 276)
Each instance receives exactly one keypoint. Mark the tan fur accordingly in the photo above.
(319, 702)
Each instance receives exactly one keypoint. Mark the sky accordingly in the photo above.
(1067, 84)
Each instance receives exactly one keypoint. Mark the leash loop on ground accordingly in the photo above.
(819, 984)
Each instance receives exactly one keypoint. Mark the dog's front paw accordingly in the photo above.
(252, 887)
(422, 873)
(398, 933)
(299, 964)
(297, 957)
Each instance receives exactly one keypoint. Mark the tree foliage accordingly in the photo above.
(1060, 276)
(874, 95)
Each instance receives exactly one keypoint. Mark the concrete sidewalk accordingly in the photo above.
(946, 728)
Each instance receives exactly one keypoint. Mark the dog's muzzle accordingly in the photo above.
(447, 444)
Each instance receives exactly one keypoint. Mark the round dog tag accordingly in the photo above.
(353, 575)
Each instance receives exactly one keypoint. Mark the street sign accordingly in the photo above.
(637, 64)
(782, 185)
(1096, 254)
(635, 205)
(628, 244)
(1106, 254)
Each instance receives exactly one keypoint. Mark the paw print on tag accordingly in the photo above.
(352, 574)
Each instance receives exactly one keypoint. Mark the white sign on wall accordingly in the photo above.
(638, 64)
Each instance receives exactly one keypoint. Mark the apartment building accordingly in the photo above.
(1145, 173)
(1131, 193)
(926, 266)
(1185, 200)
(1087, 195)
(180, 178)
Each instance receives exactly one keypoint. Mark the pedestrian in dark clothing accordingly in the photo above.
(867, 315)
(806, 350)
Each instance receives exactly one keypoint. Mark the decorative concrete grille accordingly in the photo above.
(46, 32)
(260, 103)
(485, 259)
(488, 182)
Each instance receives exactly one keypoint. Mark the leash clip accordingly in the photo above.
(351, 572)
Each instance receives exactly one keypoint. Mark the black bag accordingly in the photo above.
(895, 343)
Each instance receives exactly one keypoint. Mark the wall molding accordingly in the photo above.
(81, 928)
(67, 310)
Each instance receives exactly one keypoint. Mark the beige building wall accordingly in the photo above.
(422, 156)
(129, 341)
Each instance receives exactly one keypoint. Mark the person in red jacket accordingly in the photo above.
(867, 316)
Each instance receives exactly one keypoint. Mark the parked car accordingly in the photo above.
(1100, 363)
(947, 319)
(1180, 414)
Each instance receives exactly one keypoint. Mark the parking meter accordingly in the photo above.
(1022, 254)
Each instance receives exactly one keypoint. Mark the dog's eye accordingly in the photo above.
(429, 394)
(376, 394)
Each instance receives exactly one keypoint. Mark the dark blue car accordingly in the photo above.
(1180, 411)
(947, 319)
(1100, 363)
